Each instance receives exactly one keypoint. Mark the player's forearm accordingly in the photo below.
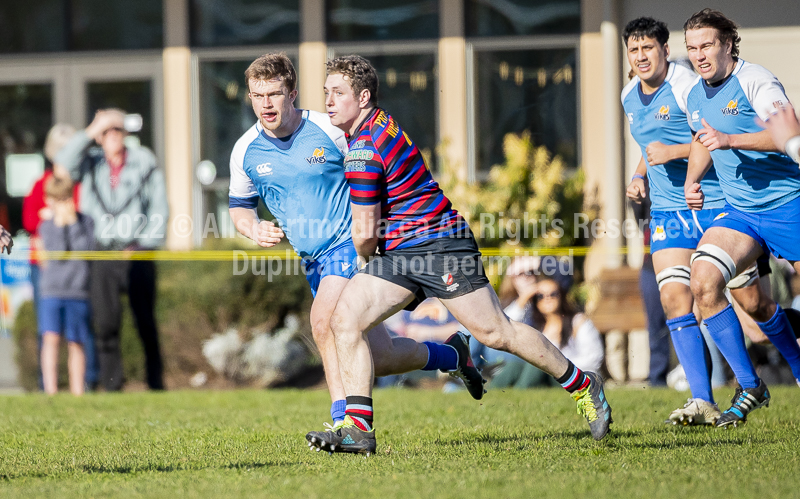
(641, 168)
(699, 163)
(366, 222)
(365, 246)
(679, 151)
(244, 219)
(759, 141)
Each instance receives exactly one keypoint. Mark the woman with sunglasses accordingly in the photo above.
(556, 316)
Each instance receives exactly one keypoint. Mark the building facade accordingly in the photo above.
(458, 74)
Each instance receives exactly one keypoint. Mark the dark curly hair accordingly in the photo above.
(727, 30)
(359, 73)
(646, 27)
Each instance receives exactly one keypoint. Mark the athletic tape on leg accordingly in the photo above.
(746, 278)
(718, 257)
(679, 273)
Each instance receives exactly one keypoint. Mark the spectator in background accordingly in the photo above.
(515, 295)
(35, 210)
(541, 301)
(124, 191)
(557, 317)
(518, 288)
(64, 303)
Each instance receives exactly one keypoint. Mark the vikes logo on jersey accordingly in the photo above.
(318, 157)
(659, 234)
(732, 109)
(663, 114)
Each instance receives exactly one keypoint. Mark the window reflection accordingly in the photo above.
(26, 26)
(217, 23)
(25, 117)
(351, 20)
(522, 17)
(407, 91)
(58, 25)
(522, 90)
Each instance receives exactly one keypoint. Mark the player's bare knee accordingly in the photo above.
(321, 328)
(343, 325)
(499, 337)
(676, 300)
(707, 286)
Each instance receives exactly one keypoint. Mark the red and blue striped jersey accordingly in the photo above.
(384, 166)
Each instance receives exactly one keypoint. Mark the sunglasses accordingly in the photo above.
(542, 296)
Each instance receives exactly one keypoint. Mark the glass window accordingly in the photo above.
(118, 24)
(57, 26)
(407, 91)
(522, 17)
(353, 20)
(219, 23)
(520, 90)
(225, 110)
(26, 114)
(130, 96)
(27, 26)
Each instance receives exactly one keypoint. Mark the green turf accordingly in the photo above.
(514, 444)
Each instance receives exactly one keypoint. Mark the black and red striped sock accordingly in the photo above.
(360, 410)
(574, 379)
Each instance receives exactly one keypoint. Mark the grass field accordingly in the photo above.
(514, 444)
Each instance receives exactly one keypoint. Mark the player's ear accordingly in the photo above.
(364, 98)
(292, 95)
(666, 49)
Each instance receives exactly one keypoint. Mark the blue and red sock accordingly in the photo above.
(574, 379)
(360, 411)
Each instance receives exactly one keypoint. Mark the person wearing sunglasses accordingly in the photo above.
(560, 321)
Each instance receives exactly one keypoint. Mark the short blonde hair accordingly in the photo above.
(58, 188)
(57, 138)
(271, 66)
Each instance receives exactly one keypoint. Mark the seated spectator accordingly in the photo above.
(559, 320)
(64, 287)
(518, 288)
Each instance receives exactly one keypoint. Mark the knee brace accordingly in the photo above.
(746, 278)
(678, 273)
(718, 257)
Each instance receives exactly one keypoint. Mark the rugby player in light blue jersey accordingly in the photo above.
(784, 127)
(293, 160)
(762, 192)
(655, 106)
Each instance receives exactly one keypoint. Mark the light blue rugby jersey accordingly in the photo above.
(301, 180)
(752, 181)
(661, 117)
